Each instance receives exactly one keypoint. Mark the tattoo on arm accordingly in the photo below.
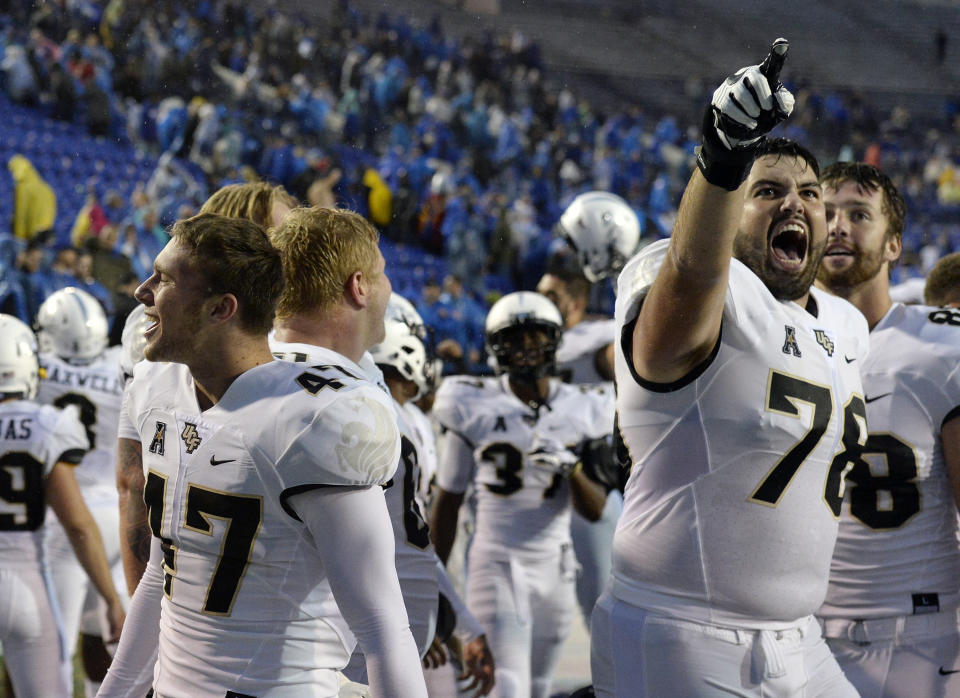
(138, 534)
(135, 543)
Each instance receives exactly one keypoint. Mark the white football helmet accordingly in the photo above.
(399, 309)
(19, 368)
(404, 350)
(434, 373)
(506, 322)
(442, 182)
(603, 231)
(132, 341)
(71, 324)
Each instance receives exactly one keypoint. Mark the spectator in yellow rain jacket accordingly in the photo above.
(380, 198)
(35, 204)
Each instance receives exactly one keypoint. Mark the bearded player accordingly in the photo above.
(890, 615)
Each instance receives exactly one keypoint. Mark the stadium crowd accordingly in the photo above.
(459, 173)
(463, 149)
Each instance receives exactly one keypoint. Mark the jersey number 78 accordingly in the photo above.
(783, 391)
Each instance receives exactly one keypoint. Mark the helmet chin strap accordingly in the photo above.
(525, 384)
(527, 374)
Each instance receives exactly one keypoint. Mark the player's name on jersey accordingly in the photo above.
(19, 428)
(82, 379)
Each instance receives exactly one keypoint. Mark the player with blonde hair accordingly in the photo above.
(259, 474)
(264, 204)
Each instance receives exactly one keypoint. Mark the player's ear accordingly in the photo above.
(357, 289)
(581, 302)
(222, 307)
(892, 248)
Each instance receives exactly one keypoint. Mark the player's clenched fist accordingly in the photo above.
(742, 111)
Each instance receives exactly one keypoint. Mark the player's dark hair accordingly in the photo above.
(234, 255)
(566, 267)
(786, 147)
(870, 179)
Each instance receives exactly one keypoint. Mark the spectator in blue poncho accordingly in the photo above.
(21, 82)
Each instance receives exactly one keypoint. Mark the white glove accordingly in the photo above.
(552, 455)
(742, 111)
(744, 108)
(351, 689)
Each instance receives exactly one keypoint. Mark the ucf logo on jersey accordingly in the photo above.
(190, 437)
(824, 341)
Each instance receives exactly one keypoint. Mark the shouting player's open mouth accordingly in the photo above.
(788, 244)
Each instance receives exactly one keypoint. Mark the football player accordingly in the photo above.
(262, 487)
(402, 357)
(891, 612)
(134, 531)
(585, 355)
(517, 437)
(466, 643)
(79, 369)
(397, 364)
(943, 282)
(40, 446)
(264, 204)
(740, 405)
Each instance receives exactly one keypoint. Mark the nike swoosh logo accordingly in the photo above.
(849, 361)
(944, 672)
(877, 397)
(214, 461)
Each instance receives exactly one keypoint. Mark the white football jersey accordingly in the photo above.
(897, 551)
(521, 507)
(730, 512)
(96, 389)
(239, 566)
(424, 437)
(33, 438)
(299, 353)
(577, 353)
(415, 560)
